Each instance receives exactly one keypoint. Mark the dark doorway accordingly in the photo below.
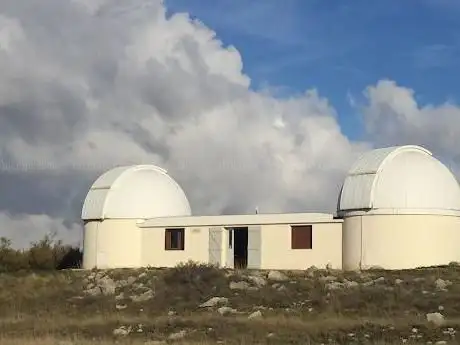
(240, 247)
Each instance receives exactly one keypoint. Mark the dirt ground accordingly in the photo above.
(152, 306)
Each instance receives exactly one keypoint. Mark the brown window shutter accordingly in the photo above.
(301, 237)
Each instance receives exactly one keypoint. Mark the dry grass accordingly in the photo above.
(50, 308)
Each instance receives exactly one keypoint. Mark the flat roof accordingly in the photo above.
(239, 220)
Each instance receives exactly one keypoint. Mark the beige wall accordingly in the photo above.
(113, 243)
(196, 247)
(121, 243)
(400, 241)
(277, 253)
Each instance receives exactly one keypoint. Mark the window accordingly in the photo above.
(174, 239)
(301, 237)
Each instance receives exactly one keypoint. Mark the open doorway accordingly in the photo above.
(240, 247)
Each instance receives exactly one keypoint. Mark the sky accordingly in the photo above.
(247, 104)
(341, 47)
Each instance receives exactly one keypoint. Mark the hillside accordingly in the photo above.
(203, 305)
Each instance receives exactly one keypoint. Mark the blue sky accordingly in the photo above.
(340, 47)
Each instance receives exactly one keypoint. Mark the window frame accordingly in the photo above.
(299, 240)
(169, 239)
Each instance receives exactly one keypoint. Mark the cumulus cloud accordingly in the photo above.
(393, 116)
(27, 227)
(89, 85)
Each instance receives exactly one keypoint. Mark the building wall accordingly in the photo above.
(112, 243)
(196, 247)
(400, 241)
(276, 252)
(352, 243)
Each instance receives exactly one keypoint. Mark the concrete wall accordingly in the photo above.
(112, 243)
(400, 241)
(276, 252)
(196, 247)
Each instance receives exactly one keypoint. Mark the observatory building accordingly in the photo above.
(398, 208)
(138, 216)
(401, 210)
(116, 202)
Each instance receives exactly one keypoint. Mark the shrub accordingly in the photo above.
(45, 254)
(192, 273)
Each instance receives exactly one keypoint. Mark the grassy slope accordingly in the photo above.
(52, 307)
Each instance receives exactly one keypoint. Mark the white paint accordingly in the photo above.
(401, 210)
(215, 246)
(399, 178)
(254, 247)
(276, 252)
(240, 220)
(113, 243)
(196, 247)
(400, 241)
(135, 192)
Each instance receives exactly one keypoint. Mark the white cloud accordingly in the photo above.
(88, 85)
(24, 229)
(393, 116)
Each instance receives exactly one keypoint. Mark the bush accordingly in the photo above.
(45, 254)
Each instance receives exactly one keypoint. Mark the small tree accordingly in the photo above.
(41, 254)
(11, 259)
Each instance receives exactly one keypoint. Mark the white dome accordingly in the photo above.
(135, 192)
(404, 178)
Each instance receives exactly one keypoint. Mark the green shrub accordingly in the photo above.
(45, 254)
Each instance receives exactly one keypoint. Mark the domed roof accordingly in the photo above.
(137, 192)
(404, 177)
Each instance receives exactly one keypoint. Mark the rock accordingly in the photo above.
(171, 313)
(149, 294)
(121, 306)
(441, 342)
(276, 276)
(399, 281)
(256, 314)
(119, 297)
(226, 311)
(107, 285)
(379, 280)
(101, 286)
(311, 271)
(242, 285)
(328, 279)
(177, 335)
(155, 342)
(350, 284)
(214, 301)
(121, 331)
(95, 291)
(442, 284)
(258, 281)
(334, 286)
(65, 342)
(121, 284)
(435, 318)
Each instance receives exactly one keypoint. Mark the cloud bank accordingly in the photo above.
(89, 85)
